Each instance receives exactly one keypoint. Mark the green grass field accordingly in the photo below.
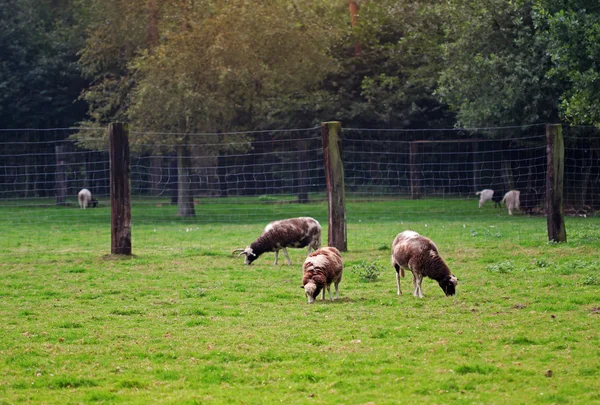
(184, 322)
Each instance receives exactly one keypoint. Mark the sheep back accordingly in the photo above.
(293, 232)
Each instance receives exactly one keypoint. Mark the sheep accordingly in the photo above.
(487, 195)
(85, 199)
(420, 255)
(525, 200)
(293, 232)
(512, 201)
(320, 269)
(529, 199)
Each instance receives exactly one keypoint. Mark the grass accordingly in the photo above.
(184, 322)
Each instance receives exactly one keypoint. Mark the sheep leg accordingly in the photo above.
(337, 291)
(329, 291)
(415, 285)
(276, 257)
(419, 289)
(287, 256)
(398, 280)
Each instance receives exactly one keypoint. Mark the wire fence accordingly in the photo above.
(263, 176)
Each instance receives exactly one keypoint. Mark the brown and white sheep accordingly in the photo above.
(293, 232)
(420, 255)
(85, 199)
(322, 268)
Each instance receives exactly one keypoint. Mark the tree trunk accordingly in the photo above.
(173, 180)
(185, 197)
(156, 175)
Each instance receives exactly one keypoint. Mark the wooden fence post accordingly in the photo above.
(331, 133)
(555, 150)
(120, 194)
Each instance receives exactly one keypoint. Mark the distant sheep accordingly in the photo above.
(293, 232)
(420, 255)
(85, 199)
(529, 199)
(487, 195)
(512, 201)
(525, 200)
(322, 268)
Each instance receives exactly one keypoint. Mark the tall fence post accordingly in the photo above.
(555, 216)
(120, 194)
(331, 133)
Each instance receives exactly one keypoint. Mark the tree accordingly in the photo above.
(496, 67)
(570, 30)
(192, 68)
(391, 81)
(39, 77)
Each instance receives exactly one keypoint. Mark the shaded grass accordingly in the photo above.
(184, 322)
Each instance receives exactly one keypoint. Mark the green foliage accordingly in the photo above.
(39, 77)
(367, 272)
(571, 33)
(496, 66)
(502, 267)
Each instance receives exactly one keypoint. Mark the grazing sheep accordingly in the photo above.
(293, 232)
(529, 199)
(85, 199)
(420, 255)
(512, 201)
(489, 194)
(322, 268)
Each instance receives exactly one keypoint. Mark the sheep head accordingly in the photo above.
(249, 253)
(312, 290)
(448, 284)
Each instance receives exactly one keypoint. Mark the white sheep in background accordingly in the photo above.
(420, 255)
(322, 268)
(487, 195)
(512, 201)
(293, 232)
(85, 199)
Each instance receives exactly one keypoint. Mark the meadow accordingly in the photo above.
(185, 322)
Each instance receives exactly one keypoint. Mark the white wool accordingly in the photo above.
(512, 201)
(84, 197)
(484, 196)
(319, 261)
(410, 234)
